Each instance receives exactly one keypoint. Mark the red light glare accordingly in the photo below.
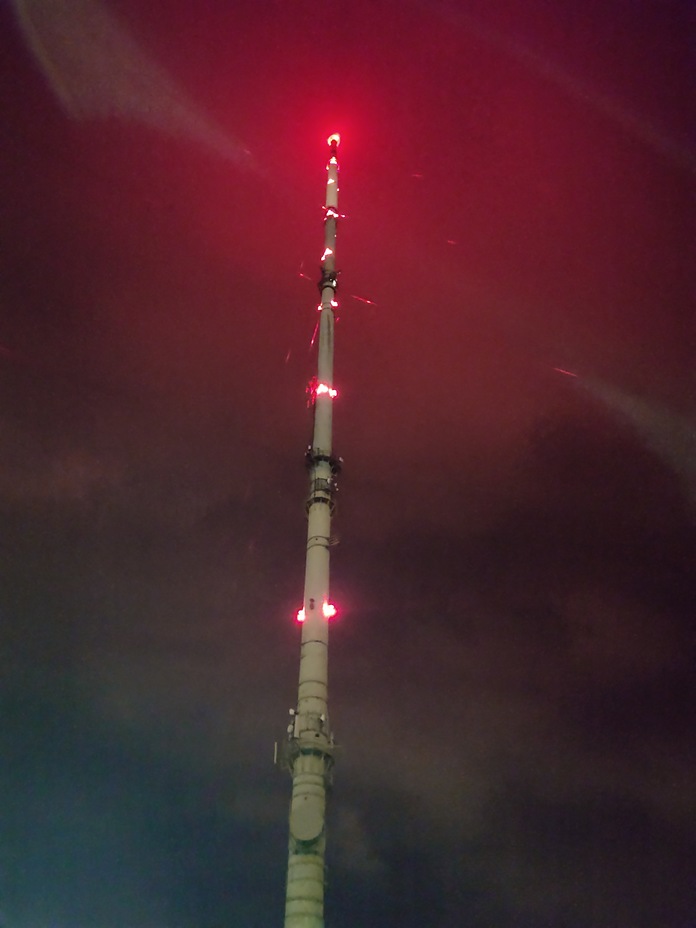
(315, 389)
(334, 139)
(328, 611)
(561, 370)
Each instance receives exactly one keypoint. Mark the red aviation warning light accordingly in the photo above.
(315, 389)
(334, 140)
(328, 610)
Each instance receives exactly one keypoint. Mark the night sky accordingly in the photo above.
(511, 670)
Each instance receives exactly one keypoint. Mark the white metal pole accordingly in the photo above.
(310, 742)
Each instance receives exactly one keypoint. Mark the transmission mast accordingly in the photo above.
(309, 750)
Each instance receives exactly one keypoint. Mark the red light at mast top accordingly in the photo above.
(334, 140)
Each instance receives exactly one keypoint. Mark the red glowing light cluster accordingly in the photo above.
(328, 610)
(315, 389)
(334, 139)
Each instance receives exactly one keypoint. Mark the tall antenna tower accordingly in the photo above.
(309, 750)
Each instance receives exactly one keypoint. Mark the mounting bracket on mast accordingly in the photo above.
(314, 457)
(328, 279)
(322, 488)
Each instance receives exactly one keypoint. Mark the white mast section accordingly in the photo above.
(310, 742)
